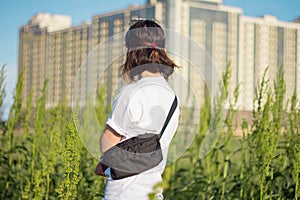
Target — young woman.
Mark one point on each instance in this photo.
(141, 107)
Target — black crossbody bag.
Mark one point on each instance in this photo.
(137, 154)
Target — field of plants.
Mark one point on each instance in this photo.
(42, 157)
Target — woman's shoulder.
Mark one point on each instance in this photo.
(145, 88)
(125, 92)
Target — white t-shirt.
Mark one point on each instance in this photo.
(142, 107)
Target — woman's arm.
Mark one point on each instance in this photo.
(109, 138)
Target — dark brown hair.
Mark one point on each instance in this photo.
(145, 42)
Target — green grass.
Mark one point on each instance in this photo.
(48, 161)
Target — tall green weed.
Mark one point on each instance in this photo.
(49, 161)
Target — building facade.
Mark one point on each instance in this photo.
(66, 50)
(53, 50)
(33, 51)
(268, 43)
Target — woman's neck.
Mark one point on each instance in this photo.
(150, 74)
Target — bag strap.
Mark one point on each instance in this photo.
(172, 110)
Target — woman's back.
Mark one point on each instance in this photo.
(139, 108)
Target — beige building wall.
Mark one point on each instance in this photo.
(289, 61)
(233, 48)
(50, 49)
(198, 34)
(246, 66)
(219, 35)
(67, 50)
(267, 43)
(215, 28)
(78, 46)
(32, 60)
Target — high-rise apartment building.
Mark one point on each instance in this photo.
(213, 27)
(33, 50)
(51, 49)
(66, 50)
(268, 43)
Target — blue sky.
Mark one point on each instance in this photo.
(15, 13)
